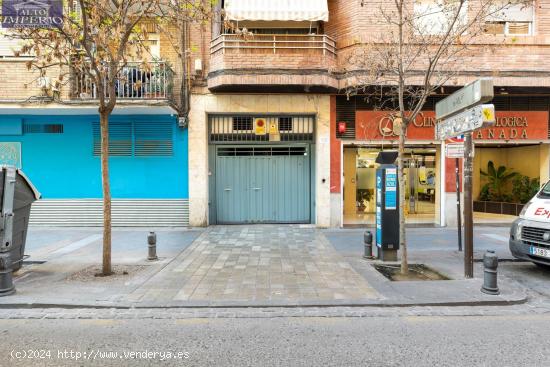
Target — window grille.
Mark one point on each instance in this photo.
(242, 123)
(261, 151)
(285, 123)
(226, 129)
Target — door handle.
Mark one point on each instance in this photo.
(227, 190)
(256, 188)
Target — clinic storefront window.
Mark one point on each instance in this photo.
(518, 140)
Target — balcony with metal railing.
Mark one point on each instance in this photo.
(272, 60)
(152, 80)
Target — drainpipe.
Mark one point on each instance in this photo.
(185, 77)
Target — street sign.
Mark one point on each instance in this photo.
(475, 118)
(473, 94)
(454, 150)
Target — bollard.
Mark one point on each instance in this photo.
(152, 241)
(6, 278)
(490, 265)
(367, 238)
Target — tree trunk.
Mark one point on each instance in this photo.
(400, 170)
(104, 124)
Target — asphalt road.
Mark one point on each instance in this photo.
(520, 340)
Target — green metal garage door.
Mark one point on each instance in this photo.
(263, 184)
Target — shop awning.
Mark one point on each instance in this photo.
(296, 10)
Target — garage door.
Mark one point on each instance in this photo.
(263, 184)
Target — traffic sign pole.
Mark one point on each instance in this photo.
(468, 207)
(458, 211)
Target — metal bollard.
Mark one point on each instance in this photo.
(490, 265)
(152, 241)
(367, 238)
(6, 278)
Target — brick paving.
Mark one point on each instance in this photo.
(257, 263)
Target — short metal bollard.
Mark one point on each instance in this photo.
(152, 241)
(6, 278)
(490, 265)
(367, 238)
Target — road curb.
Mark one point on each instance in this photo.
(213, 305)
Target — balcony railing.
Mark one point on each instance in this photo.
(276, 44)
(135, 81)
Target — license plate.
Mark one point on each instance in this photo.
(537, 251)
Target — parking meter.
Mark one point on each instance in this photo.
(387, 207)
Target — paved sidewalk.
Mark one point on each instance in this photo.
(248, 266)
(262, 264)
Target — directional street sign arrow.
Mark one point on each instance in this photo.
(475, 118)
(475, 93)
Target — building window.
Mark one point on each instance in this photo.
(136, 139)
(285, 123)
(514, 19)
(242, 123)
(508, 28)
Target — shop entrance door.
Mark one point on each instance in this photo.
(360, 180)
(420, 183)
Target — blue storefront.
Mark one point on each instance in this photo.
(60, 154)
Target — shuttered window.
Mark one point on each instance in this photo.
(138, 139)
(153, 139)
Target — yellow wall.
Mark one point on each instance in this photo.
(524, 160)
(544, 162)
(350, 184)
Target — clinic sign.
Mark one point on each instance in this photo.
(509, 125)
(32, 13)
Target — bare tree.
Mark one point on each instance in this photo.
(421, 46)
(95, 42)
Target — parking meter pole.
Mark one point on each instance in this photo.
(468, 207)
(387, 206)
(458, 211)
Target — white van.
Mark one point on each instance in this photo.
(530, 233)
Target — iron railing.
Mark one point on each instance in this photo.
(274, 43)
(135, 81)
